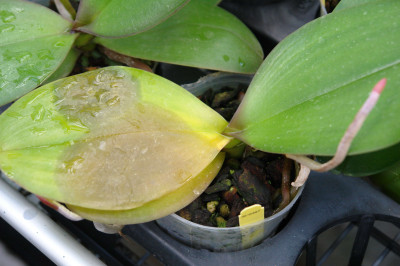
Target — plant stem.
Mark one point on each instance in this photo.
(127, 60)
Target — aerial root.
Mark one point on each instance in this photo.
(308, 164)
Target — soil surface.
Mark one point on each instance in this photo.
(247, 176)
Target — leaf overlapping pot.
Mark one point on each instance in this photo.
(111, 139)
(312, 84)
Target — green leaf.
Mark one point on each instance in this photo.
(368, 163)
(310, 87)
(66, 67)
(160, 207)
(200, 35)
(117, 18)
(110, 139)
(351, 3)
(65, 8)
(389, 182)
(33, 42)
(213, 2)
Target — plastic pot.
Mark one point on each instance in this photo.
(222, 239)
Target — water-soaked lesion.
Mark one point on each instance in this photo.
(88, 98)
(133, 152)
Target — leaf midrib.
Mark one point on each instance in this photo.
(91, 139)
(385, 67)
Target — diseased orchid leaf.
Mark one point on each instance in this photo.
(117, 18)
(160, 207)
(310, 87)
(33, 43)
(109, 139)
(200, 35)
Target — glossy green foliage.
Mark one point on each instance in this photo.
(389, 182)
(351, 3)
(33, 42)
(368, 163)
(312, 84)
(111, 139)
(66, 67)
(116, 18)
(200, 35)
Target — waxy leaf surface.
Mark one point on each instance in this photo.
(66, 67)
(368, 163)
(389, 182)
(110, 139)
(312, 84)
(351, 3)
(200, 35)
(117, 18)
(160, 207)
(33, 43)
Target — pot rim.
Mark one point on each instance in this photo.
(272, 217)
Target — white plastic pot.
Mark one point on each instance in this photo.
(222, 239)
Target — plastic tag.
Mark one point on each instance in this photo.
(251, 214)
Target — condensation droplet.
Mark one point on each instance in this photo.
(144, 150)
(15, 115)
(59, 44)
(241, 62)
(102, 145)
(37, 131)
(45, 54)
(7, 16)
(38, 112)
(208, 35)
(196, 192)
(7, 28)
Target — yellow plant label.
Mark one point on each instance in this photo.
(251, 214)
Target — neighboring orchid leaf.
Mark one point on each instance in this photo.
(33, 43)
(117, 18)
(213, 2)
(160, 207)
(110, 139)
(310, 87)
(351, 3)
(65, 8)
(368, 163)
(200, 35)
(389, 182)
(66, 67)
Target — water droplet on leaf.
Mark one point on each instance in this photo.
(59, 44)
(208, 35)
(102, 145)
(7, 28)
(38, 112)
(226, 58)
(241, 62)
(7, 16)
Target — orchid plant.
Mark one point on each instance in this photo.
(120, 145)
